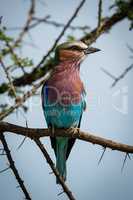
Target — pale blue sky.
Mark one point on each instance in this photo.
(104, 115)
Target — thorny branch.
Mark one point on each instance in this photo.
(78, 134)
(122, 75)
(20, 100)
(13, 167)
(106, 24)
(27, 24)
(55, 171)
(8, 77)
(99, 13)
(16, 57)
(46, 20)
(11, 85)
(59, 25)
(35, 134)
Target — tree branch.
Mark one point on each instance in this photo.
(55, 171)
(20, 100)
(13, 167)
(9, 78)
(122, 75)
(46, 20)
(78, 134)
(99, 13)
(27, 24)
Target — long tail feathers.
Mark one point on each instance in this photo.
(61, 151)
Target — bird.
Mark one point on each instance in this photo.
(63, 98)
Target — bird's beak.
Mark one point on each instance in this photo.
(90, 50)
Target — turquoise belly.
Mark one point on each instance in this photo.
(63, 116)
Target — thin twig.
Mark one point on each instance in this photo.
(13, 167)
(21, 100)
(27, 24)
(55, 171)
(26, 27)
(47, 21)
(18, 62)
(130, 48)
(122, 75)
(108, 73)
(117, 79)
(4, 170)
(57, 24)
(99, 13)
(9, 78)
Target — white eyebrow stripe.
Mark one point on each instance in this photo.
(78, 44)
(66, 45)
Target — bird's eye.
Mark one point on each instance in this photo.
(76, 48)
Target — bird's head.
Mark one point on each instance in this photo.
(75, 51)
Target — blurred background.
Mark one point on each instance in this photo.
(109, 110)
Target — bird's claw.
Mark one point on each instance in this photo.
(74, 131)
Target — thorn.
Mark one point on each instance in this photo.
(24, 137)
(60, 193)
(1, 19)
(3, 151)
(108, 73)
(124, 162)
(129, 156)
(130, 48)
(4, 170)
(104, 149)
(21, 143)
(26, 122)
(3, 154)
(50, 172)
(16, 112)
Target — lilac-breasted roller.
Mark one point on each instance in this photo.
(63, 97)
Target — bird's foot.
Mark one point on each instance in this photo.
(74, 131)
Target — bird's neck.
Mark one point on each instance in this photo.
(68, 65)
